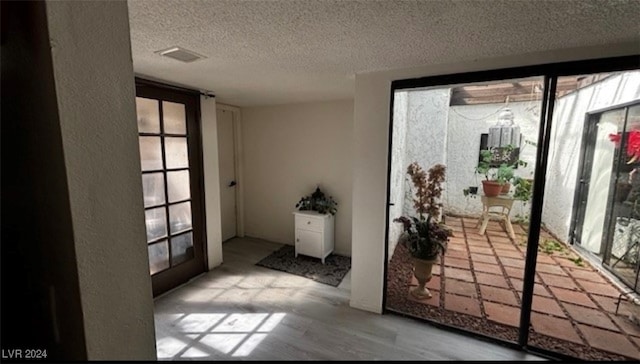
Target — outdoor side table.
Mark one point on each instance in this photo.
(497, 207)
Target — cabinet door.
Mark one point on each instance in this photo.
(309, 242)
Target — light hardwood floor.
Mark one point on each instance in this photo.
(245, 312)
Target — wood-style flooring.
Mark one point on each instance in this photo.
(240, 311)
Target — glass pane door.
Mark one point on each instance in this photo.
(170, 195)
(485, 135)
(579, 308)
(622, 248)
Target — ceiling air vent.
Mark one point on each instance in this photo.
(180, 54)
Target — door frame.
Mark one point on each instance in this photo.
(587, 145)
(183, 272)
(236, 115)
(551, 72)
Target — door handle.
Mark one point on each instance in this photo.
(232, 183)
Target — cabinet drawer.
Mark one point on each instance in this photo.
(309, 223)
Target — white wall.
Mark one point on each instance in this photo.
(398, 169)
(419, 135)
(466, 123)
(211, 180)
(370, 148)
(566, 139)
(288, 151)
(426, 138)
(95, 89)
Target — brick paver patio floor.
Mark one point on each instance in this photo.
(481, 276)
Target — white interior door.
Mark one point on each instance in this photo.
(226, 157)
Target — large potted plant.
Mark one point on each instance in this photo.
(425, 236)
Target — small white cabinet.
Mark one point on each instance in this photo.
(314, 234)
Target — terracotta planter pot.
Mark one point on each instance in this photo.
(505, 188)
(422, 271)
(491, 188)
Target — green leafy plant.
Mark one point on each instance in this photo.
(578, 261)
(319, 202)
(524, 188)
(503, 173)
(425, 236)
(484, 166)
(549, 246)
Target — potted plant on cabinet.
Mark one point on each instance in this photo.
(319, 202)
(425, 236)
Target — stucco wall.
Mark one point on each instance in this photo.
(94, 82)
(426, 139)
(398, 169)
(419, 135)
(288, 151)
(466, 123)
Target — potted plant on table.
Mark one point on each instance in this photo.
(497, 179)
(425, 236)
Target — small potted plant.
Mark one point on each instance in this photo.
(425, 236)
(497, 179)
(319, 202)
(490, 184)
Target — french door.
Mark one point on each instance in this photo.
(170, 158)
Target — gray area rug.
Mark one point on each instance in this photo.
(332, 272)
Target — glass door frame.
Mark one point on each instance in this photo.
(181, 273)
(551, 73)
(592, 118)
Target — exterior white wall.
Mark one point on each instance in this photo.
(426, 138)
(398, 169)
(370, 149)
(566, 139)
(211, 180)
(94, 79)
(419, 135)
(466, 123)
(288, 151)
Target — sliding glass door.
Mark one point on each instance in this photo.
(511, 270)
(476, 284)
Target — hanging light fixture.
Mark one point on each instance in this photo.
(505, 132)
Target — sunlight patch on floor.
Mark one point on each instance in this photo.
(202, 335)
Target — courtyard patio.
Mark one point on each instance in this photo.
(477, 286)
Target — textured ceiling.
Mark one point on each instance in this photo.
(275, 52)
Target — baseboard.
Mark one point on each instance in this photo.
(365, 307)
